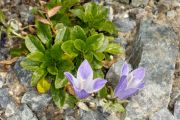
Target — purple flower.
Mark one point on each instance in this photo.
(130, 82)
(84, 84)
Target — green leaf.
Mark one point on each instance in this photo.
(104, 46)
(97, 64)
(29, 65)
(95, 14)
(88, 56)
(78, 33)
(2, 17)
(94, 42)
(36, 56)
(17, 51)
(103, 92)
(114, 48)
(53, 3)
(99, 56)
(52, 69)
(33, 44)
(44, 33)
(71, 100)
(59, 26)
(68, 47)
(91, 10)
(56, 52)
(98, 74)
(80, 45)
(78, 12)
(117, 107)
(107, 26)
(37, 75)
(62, 35)
(58, 96)
(66, 65)
(69, 3)
(61, 17)
(60, 81)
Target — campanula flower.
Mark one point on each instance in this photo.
(84, 84)
(130, 82)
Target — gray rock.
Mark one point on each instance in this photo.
(26, 113)
(35, 101)
(3, 56)
(93, 115)
(123, 1)
(41, 115)
(69, 114)
(113, 75)
(175, 95)
(153, 50)
(137, 3)
(2, 79)
(177, 110)
(163, 114)
(4, 98)
(14, 117)
(11, 109)
(121, 41)
(97, 1)
(24, 12)
(23, 75)
(17, 2)
(171, 14)
(22, 113)
(125, 25)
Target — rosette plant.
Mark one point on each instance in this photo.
(130, 82)
(61, 43)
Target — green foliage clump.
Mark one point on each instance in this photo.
(73, 34)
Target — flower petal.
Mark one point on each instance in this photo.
(125, 69)
(139, 73)
(85, 71)
(81, 93)
(72, 79)
(122, 84)
(127, 93)
(141, 85)
(95, 85)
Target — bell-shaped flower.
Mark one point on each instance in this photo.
(130, 82)
(84, 84)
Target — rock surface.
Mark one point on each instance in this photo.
(35, 101)
(93, 115)
(163, 114)
(125, 25)
(137, 3)
(4, 97)
(23, 113)
(177, 110)
(153, 50)
(23, 75)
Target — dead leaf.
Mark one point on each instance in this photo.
(69, 89)
(43, 20)
(31, 29)
(8, 62)
(108, 64)
(53, 11)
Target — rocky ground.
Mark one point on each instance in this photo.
(150, 32)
